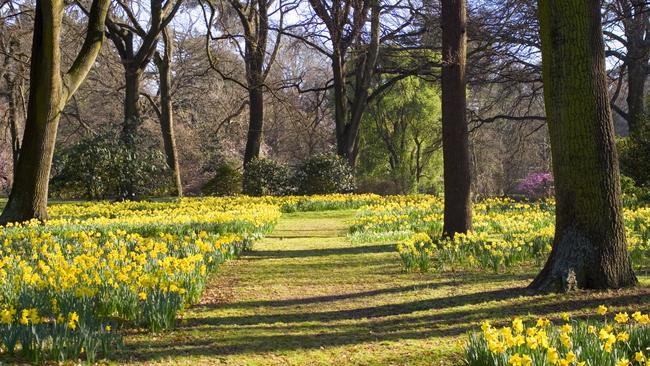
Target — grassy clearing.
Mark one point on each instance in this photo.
(307, 296)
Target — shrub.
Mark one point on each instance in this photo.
(537, 185)
(101, 167)
(632, 193)
(227, 181)
(264, 177)
(633, 155)
(324, 173)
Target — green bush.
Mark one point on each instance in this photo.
(633, 153)
(102, 167)
(324, 173)
(227, 181)
(265, 177)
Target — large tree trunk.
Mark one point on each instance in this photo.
(455, 137)
(167, 113)
(28, 198)
(48, 94)
(589, 248)
(255, 123)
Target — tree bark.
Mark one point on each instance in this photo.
(255, 124)
(344, 145)
(167, 113)
(48, 94)
(132, 112)
(589, 248)
(636, 80)
(455, 136)
(15, 93)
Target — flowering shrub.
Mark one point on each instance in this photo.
(622, 341)
(537, 185)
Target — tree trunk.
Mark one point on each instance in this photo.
(28, 198)
(347, 143)
(48, 94)
(344, 142)
(15, 93)
(455, 137)
(132, 113)
(167, 114)
(637, 73)
(255, 123)
(589, 248)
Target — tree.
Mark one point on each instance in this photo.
(136, 45)
(589, 248)
(14, 59)
(628, 29)
(455, 138)
(400, 136)
(166, 112)
(254, 19)
(345, 21)
(48, 94)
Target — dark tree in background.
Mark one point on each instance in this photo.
(345, 21)
(258, 54)
(455, 137)
(136, 45)
(628, 29)
(589, 248)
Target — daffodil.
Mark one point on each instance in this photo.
(602, 310)
(622, 318)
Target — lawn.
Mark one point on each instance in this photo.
(306, 295)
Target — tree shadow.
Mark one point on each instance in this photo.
(379, 311)
(395, 322)
(303, 253)
(327, 298)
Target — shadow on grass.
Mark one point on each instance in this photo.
(329, 298)
(303, 253)
(287, 332)
(379, 311)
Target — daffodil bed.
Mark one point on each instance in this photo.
(66, 286)
(506, 233)
(621, 341)
(74, 288)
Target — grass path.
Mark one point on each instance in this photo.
(307, 296)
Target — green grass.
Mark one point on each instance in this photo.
(307, 296)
